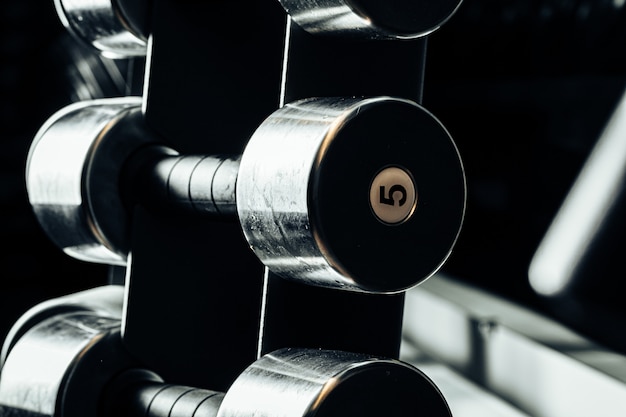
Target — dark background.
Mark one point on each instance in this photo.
(524, 87)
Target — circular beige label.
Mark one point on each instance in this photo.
(393, 196)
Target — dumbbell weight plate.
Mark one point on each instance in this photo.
(99, 23)
(72, 177)
(371, 19)
(61, 354)
(326, 383)
(315, 180)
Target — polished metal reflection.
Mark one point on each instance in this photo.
(302, 382)
(283, 383)
(193, 184)
(98, 23)
(273, 190)
(67, 198)
(40, 362)
(348, 18)
(104, 301)
(281, 195)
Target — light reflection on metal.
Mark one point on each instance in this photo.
(46, 346)
(99, 24)
(371, 20)
(583, 212)
(324, 383)
(300, 191)
(71, 179)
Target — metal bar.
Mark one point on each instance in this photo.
(534, 363)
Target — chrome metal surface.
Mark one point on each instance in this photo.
(307, 382)
(204, 183)
(161, 180)
(60, 355)
(303, 193)
(274, 209)
(39, 365)
(105, 301)
(98, 23)
(399, 19)
(309, 205)
(71, 178)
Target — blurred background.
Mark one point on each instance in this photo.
(526, 89)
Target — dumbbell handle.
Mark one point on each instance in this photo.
(158, 178)
(140, 393)
(326, 190)
(286, 382)
(152, 400)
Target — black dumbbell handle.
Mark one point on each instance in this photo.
(160, 179)
(140, 393)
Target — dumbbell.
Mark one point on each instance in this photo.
(288, 382)
(119, 29)
(65, 358)
(362, 194)
(371, 19)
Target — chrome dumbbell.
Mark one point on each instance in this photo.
(289, 382)
(364, 194)
(65, 358)
(118, 28)
(60, 353)
(371, 19)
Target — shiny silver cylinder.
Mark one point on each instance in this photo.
(371, 19)
(61, 358)
(309, 186)
(105, 301)
(163, 181)
(72, 174)
(99, 24)
(322, 383)
(203, 184)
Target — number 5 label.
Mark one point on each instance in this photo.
(393, 196)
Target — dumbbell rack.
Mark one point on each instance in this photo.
(198, 307)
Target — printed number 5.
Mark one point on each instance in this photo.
(388, 199)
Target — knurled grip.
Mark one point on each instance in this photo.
(371, 19)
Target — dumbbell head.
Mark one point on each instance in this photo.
(72, 177)
(105, 25)
(289, 382)
(371, 19)
(360, 194)
(60, 355)
(320, 383)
